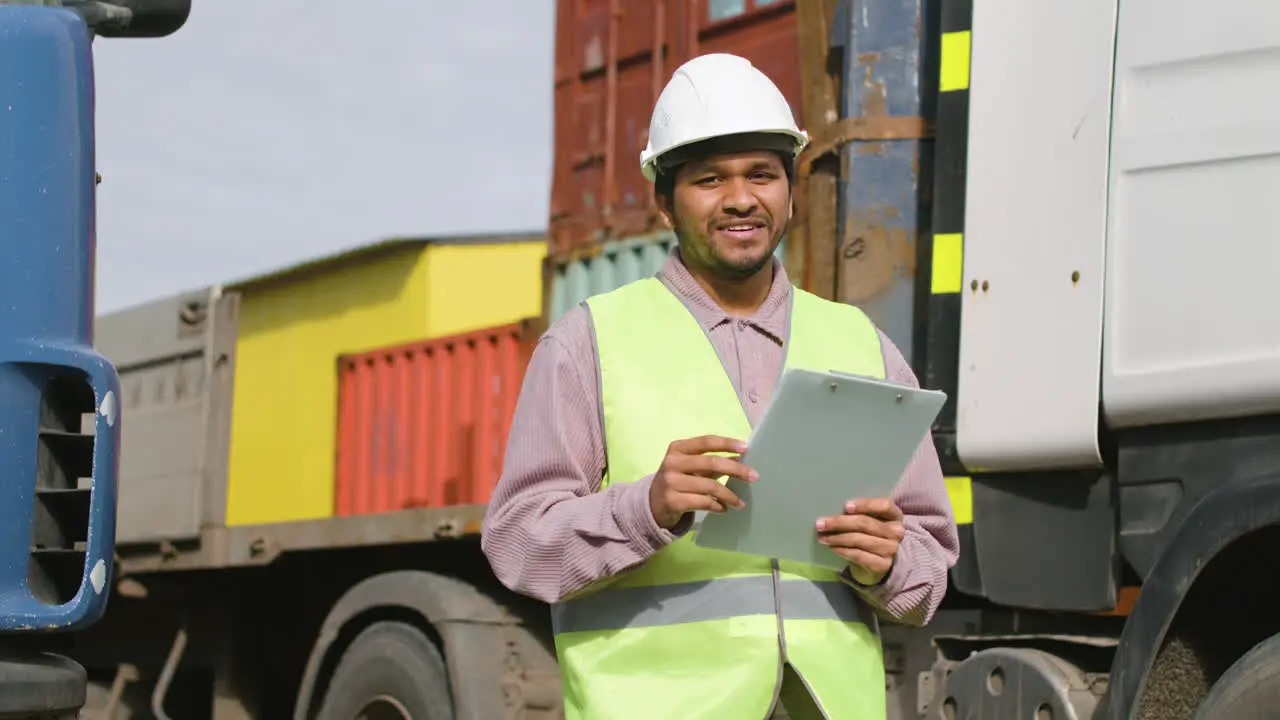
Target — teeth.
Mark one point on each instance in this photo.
(742, 227)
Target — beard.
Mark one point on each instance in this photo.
(696, 242)
(737, 268)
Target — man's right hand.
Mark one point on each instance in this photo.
(686, 481)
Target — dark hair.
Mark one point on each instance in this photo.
(668, 166)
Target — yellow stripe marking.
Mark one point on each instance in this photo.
(954, 73)
(960, 490)
(948, 263)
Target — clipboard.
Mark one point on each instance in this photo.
(825, 438)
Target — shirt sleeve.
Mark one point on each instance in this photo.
(548, 531)
(914, 587)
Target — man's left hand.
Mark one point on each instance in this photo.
(867, 535)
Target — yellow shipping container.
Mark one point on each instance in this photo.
(295, 323)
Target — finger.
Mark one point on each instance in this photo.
(848, 523)
(690, 502)
(861, 524)
(714, 466)
(707, 444)
(882, 508)
(874, 563)
(727, 496)
(715, 506)
(706, 487)
(883, 547)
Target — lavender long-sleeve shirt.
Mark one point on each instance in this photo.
(550, 532)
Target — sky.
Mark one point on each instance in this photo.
(262, 134)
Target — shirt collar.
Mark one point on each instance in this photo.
(770, 317)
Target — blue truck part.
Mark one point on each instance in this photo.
(59, 399)
(60, 413)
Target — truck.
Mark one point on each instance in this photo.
(302, 484)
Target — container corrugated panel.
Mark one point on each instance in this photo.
(602, 267)
(607, 78)
(616, 263)
(425, 424)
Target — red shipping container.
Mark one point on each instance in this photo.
(607, 78)
(425, 424)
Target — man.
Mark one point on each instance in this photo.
(637, 401)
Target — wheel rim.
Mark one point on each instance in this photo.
(383, 707)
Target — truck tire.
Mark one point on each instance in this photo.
(1249, 689)
(391, 671)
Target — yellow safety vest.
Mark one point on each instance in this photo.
(694, 633)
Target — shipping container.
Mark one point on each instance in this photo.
(294, 324)
(607, 78)
(425, 424)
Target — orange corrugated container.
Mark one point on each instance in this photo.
(425, 424)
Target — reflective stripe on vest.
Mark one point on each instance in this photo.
(693, 632)
(652, 605)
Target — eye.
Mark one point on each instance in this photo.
(762, 176)
(707, 180)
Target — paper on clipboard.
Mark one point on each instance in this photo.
(826, 438)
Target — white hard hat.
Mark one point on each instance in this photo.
(712, 96)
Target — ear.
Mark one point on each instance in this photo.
(666, 204)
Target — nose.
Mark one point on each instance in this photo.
(739, 199)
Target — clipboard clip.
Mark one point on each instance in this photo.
(835, 386)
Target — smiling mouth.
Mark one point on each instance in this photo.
(740, 227)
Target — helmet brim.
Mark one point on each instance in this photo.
(784, 140)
